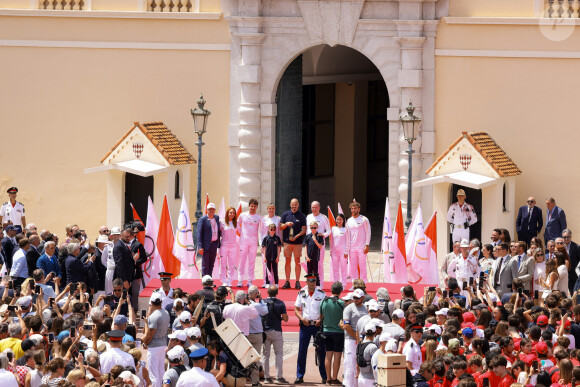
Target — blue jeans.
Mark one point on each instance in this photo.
(306, 333)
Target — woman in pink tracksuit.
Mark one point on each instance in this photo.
(229, 246)
(337, 249)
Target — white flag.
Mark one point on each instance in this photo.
(222, 211)
(414, 240)
(154, 264)
(183, 247)
(386, 243)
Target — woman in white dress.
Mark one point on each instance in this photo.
(228, 246)
(486, 263)
(552, 278)
(271, 218)
(539, 270)
(337, 248)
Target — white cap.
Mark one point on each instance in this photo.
(193, 332)
(373, 305)
(127, 375)
(37, 339)
(398, 313)
(370, 327)
(178, 301)
(175, 353)
(25, 301)
(103, 239)
(156, 296)
(179, 335)
(385, 336)
(206, 278)
(348, 297)
(211, 205)
(358, 293)
(464, 243)
(443, 312)
(435, 328)
(185, 316)
(377, 322)
(392, 346)
(115, 230)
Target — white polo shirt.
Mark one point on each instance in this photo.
(412, 352)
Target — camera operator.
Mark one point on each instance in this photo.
(242, 311)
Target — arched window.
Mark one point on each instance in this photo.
(505, 198)
(177, 186)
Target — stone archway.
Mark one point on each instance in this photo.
(397, 36)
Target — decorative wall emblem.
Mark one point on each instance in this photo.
(137, 149)
(465, 160)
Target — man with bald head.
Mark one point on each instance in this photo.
(324, 230)
(293, 225)
(529, 221)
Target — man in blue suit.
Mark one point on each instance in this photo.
(555, 220)
(208, 239)
(529, 221)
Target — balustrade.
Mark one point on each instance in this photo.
(562, 9)
(62, 4)
(169, 5)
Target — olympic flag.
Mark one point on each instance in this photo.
(415, 246)
(431, 266)
(183, 247)
(154, 265)
(386, 243)
(399, 263)
(165, 241)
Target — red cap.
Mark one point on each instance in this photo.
(468, 317)
(542, 320)
(529, 359)
(567, 324)
(542, 348)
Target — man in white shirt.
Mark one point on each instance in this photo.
(114, 355)
(12, 212)
(412, 350)
(241, 311)
(248, 229)
(197, 377)
(324, 230)
(357, 242)
(447, 259)
(465, 266)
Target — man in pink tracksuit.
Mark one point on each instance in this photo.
(357, 242)
(249, 224)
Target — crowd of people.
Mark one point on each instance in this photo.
(506, 313)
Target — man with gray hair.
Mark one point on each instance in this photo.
(76, 270)
(13, 341)
(48, 262)
(241, 311)
(256, 330)
(387, 306)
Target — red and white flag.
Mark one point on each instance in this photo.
(165, 242)
(432, 267)
(154, 265)
(386, 243)
(206, 203)
(399, 275)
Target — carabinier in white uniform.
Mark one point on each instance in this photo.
(166, 297)
(461, 215)
(13, 213)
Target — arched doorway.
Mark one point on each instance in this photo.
(332, 133)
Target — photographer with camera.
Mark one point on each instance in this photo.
(307, 309)
(256, 336)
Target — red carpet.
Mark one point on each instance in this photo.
(286, 295)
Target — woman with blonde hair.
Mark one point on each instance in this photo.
(566, 368)
(77, 378)
(430, 348)
(140, 369)
(502, 329)
(552, 278)
(228, 246)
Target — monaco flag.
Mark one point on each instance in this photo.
(154, 265)
(165, 242)
(386, 242)
(141, 234)
(415, 246)
(399, 275)
(431, 267)
(183, 247)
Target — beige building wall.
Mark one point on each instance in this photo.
(515, 79)
(73, 84)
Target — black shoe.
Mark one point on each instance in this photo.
(286, 285)
(299, 381)
(323, 381)
(282, 381)
(268, 380)
(297, 285)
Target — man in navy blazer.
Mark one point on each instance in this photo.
(208, 239)
(555, 220)
(529, 221)
(124, 259)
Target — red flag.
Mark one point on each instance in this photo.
(400, 259)
(165, 242)
(331, 219)
(141, 234)
(206, 204)
(431, 247)
(238, 213)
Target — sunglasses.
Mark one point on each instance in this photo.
(185, 321)
(117, 290)
(567, 237)
(356, 298)
(313, 228)
(531, 201)
(311, 280)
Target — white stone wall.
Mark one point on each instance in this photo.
(397, 36)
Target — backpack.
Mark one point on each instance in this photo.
(360, 351)
(217, 309)
(179, 369)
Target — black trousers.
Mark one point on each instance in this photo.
(312, 267)
(272, 266)
(208, 259)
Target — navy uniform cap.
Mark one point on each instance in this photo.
(12, 190)
(416, 327)
(164, 274)
(311, 275)
(116, 335)
(199, 354)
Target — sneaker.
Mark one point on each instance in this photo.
(268, 380)
(298, 285)
(282, 381)
(286, 285)
(265, 285)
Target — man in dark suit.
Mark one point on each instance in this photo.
(140, 257)
(32, 254)
(529, 221)
(9, 245)
(208, 239)
(124, 261)
(76, 270)
(573, 251)
(555, 220)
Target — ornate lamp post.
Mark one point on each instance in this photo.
(410, 124)
(200, 116)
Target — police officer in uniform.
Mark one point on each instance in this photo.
(412, 349)
(197, 376)
(307, 309)
(461, 215)
(12, 212)
(165, 290)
